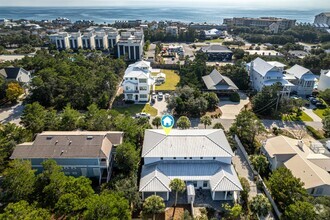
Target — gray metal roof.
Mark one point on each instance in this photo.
(261, 66)
(298, 71)
(156, 177)
(216, 81)
(186, 143)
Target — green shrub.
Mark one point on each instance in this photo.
(315, 133)
(234, 97)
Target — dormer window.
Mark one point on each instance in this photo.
(174, 158)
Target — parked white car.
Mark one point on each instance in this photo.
(142, 115)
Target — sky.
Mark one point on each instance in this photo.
(248, 4)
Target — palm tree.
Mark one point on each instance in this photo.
(153, 205)
(206, 120)
(177, 185)
(156, 121)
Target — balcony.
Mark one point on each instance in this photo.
(131, 91)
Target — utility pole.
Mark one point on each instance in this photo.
(278, 100)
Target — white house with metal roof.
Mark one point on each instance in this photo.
(264, 73)
(201, 158)
(137, 81)
(302, 78)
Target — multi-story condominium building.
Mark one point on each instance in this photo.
(311, 164)
(302, 78)
(61, 40)
(201, 158)
(262, 22)
(113, 38)
(88, 40)
(75, 40)
(137, 81)
(101, 40)
(130, 45)
(322, 20)
(264, 73)
(128, 24)
(79, 153)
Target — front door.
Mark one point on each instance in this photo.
(136, 97)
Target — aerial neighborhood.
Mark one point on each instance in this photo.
(84, 130)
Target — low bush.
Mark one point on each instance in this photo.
(315, 133)
(234, 97)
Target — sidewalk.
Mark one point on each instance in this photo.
(311, 114)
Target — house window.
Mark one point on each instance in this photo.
(127, 88)
(195, 183)
(185, 158)
(319, 191)
(142, 80)
(190, 158)
(204, 184)
(143, 96)
(143, 88)
(313, 191)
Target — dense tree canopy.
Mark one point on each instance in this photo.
(285, 188)
(74, 79)
(247, 126)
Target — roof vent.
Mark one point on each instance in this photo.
(70, 142)
(49, 137)
(62, 152)
(56, 141)
(89, 137)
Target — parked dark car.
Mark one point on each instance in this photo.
(320, 105)
(309, 96)
(314, 101)
(153, 101)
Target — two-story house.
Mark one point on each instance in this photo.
(264, 73)
(201, 158)
(79, 153)
(302, 78)
(137, 81)
(309, 163)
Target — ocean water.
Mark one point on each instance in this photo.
(184, 14)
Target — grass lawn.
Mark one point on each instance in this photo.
(293, 117)
(320, 112)
(172, 79)
(137, 108)
(215, 40)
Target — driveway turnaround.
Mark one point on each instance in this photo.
(231, 109)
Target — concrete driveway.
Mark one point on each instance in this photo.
(12, 114)
(161, 106)
(231, 109)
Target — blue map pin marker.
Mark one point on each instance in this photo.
(167, 122)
